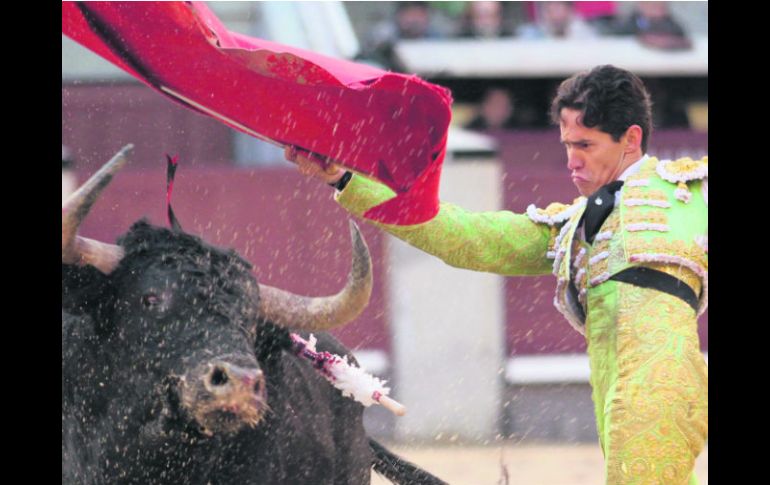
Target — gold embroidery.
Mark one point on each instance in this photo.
(647, 169)
(645, 194)
(553, 209)
(569, 237)
(658, 417)
(637, 176)
(659, 245)
(560, 302)
(579, 276)
(600, 246)
(612, 223)
(599, 267)
(680, 272)
(580, 284)
(684, 165)
(555, 212)
(552, 239)
(651, 217)
(576, 247)
(685, 169)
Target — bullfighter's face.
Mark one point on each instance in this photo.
(593, 157)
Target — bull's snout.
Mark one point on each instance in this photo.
(224, 379)
(223, 396)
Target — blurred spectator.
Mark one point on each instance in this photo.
(68, 178)
(496, 111)
(602, 16)
(412, 20)
(556, 20)
(653, 24)
(484, 20)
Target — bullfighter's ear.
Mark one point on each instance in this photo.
(83, 289)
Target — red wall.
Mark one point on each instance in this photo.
(99, 119)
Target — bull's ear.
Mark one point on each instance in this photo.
(83, 289)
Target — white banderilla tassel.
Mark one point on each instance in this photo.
(353, 381)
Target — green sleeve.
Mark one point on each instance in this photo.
(497, 242)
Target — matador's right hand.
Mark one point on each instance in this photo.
(314, 166)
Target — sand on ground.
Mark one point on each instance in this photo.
(581, 464)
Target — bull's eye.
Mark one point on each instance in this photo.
(151, 300)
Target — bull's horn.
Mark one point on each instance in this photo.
(79, 250)
(323, 313)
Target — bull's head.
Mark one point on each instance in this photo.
(172, 309)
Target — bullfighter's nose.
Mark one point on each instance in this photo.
(224, 378)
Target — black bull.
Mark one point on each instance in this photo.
(177, 370)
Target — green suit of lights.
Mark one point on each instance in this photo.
(649, 379)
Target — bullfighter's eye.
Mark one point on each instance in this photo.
(151, 300)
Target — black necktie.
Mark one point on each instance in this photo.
(598, 208)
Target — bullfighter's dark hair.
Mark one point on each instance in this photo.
(611, 99)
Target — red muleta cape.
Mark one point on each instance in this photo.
(388, 126)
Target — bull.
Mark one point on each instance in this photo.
(176, 366)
